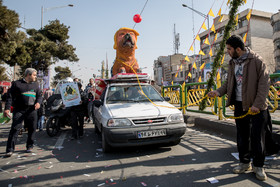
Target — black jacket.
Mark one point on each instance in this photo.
(23, 94)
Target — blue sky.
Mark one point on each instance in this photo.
(93, 24)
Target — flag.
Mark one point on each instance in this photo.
(228, 2)
(194, 66)
(245, 37)
(245, 1)
(221, 18)
(187, 58)
(190, 75)
(172, 83)
(181, 67)
(210, 52)
(223, 60)
(249, 15)
(204, 26)
(197, 38)
(220, 11)
(202, 66)
(236, 19)
(199, 79)
(216, 35)
(191, 49)
(176, 74)
(211, 13)
(213, 28)
(201, 52)
(207, 41)
(218, 76)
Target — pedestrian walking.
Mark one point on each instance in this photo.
(247, 86)
(90, 98)
(25, 96)
(77, 116)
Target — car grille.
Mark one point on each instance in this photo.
(148, 121)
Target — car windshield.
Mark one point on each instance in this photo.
(132, 93)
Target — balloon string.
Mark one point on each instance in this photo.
(141, 11)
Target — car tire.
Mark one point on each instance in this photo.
(52, 126)
(105, 146)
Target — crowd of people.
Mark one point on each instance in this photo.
(29, 104)
(247, 87)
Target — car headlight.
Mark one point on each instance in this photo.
(173, 118)
(118, 122)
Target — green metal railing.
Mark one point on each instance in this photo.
(183, 95)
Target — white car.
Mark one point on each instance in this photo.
(127, 117)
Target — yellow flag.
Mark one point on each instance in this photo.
(199, 79)
(201, 52)
(221, 18)
(213, 28)
(211, 13)
(249, 15)
(228, 2)
(190, 75)
(181, 67)
(245, 1)
(191, 49)
(220, 11)
(218, 76)
(216, 35)
(202, 66)
(194, 66)
(204, 26)
(197, 38)
(187, 58)
(223, 60)
(210, 52)
(207, 41)
(236, 19)
(172, 83)
(245, 37)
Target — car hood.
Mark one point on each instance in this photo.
(120, 110)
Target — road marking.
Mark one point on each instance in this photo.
(59, 142)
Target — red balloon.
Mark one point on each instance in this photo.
(137, 18)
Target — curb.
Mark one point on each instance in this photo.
(227, 128)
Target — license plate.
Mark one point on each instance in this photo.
(153, 133)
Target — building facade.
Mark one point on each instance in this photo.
(166, 67)
(275, 22)
(259, 37)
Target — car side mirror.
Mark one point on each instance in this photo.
(97, 103)
(167, 98)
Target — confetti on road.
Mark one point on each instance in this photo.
(87, 175)
(143, 184)
(49, 167)
(138, 158)
(212, 180)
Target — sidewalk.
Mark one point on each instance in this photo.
(225, 127)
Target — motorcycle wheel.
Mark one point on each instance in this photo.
(52, 126)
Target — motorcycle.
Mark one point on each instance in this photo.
(58, 115)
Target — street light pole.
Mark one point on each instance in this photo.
(52, 8)
(200, 13)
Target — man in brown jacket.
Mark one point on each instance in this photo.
(247, 86)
